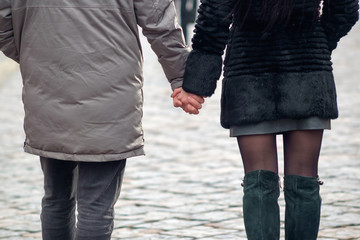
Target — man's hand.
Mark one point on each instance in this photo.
(189, 102)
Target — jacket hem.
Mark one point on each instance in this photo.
(108, 157)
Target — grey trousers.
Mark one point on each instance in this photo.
(91, 187)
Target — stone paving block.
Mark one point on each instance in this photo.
(215, 216)
(126, 223)
(126, 233)
(344, 219)
(159, 237)
(339, 197)
(23, 225)
(26, 238)
(169, 225)
(232, 236)
(32, 236)
(200, 232)
(133, 210)
(234, 224)
(153, 196)
(341, 233)
(197, 207)
(8, 234)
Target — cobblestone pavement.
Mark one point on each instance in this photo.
(188, 185)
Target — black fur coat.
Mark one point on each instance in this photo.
(282, 73)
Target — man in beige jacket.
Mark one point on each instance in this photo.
(81, 64)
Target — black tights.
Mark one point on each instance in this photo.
(301, 152)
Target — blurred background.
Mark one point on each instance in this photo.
(188, 184)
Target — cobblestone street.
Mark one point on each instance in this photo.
(188, 185)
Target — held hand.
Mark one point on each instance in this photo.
(177, 103)
(189, 102)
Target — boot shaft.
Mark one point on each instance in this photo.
(303, 204)
(260, 205)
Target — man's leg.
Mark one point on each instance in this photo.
(58, 203)
(99, 186)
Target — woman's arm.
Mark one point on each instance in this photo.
(338, 17)
(7, 42)
(204, 64)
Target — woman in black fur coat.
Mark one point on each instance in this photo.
(277, 80)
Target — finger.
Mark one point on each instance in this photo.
(175, 92)
(194, 103)
(185, 108)
(177, 103)
(183, 98)
(191, 109)
(197, 98)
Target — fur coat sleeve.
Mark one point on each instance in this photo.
(338, 17)
(204, 64)
(7, 42)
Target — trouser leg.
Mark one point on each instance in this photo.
(58, 203)
(99, 186)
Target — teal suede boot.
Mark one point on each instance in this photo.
(303, 203)
(260, 205)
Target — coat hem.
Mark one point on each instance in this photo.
(108, 157)
(248, 99)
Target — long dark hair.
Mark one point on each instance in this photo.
(273, 12)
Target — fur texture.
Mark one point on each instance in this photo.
(206, 69)
(282, 73)
(337, 18)
(271, 96)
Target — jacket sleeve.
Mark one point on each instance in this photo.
(338, 17)
(204, 63)
(159, 24)
(7, 42)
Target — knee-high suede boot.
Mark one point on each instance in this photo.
(303, 203)
(260, 205)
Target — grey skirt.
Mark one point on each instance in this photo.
(280, 126)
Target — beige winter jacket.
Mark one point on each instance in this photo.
(81, 63)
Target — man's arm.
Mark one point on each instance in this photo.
(159, 24)
(7, 42)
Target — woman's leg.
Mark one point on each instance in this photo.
(58, 203)
(258, 152)
(301, 152)
(99, 186)
(261, 187)
(301, 186)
